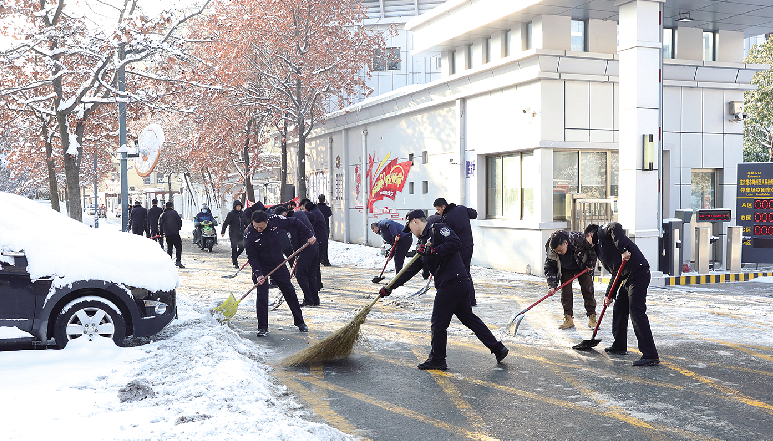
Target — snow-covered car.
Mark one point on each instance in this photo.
(61, 280)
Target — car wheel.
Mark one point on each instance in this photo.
(89, 317)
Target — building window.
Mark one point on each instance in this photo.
(389, 59)
(410, 157)
(159, 178)
(424, 157)
(410, 188)
(487, 50)
(593, 174)
(468, 64)
(425, 187)
(508, 44)
(668, 43)
(146, 180)
(510, 183)
(702, 186)
(438, 62)
(709, 46)
(339, 189)
(452, 63)
(579, 40)
(529, 36)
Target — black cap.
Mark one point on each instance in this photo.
(415, 214)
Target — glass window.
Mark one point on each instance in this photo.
(668, 43)
(529, 36)
(593, 174)
(508, 44)
(511, 187)
(708, 46)
(160, 179)
(614, 173)
(494, 186)
(530, 179)
(387, 60)
(510, 184)
(566, 178)
(487, 49)
(578, 36)
(702, 189)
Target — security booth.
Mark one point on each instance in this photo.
(671, 249)
(708, 247)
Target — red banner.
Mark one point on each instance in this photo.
(389, 181)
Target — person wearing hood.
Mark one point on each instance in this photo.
(236, 222)
(457, 217)
(567, 254)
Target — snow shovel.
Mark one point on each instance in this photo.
(380, 277)
(515, 321)
(281, 297)
(587, 345)
(422, 290)
(231, 276)
(228, 308)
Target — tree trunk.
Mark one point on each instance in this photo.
(72, 181)
(248, 188)
(53, 188)
(283, 171)
(301, 184)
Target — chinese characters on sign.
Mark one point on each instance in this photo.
(754, 207)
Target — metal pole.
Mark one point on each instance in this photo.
(123, 146)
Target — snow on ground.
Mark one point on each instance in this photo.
(202, 382)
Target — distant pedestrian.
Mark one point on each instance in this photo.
(328, 213)
(170, 225)
(264, 254)
(457, 217)
(567, 254)
(138, 220)
(153, 215)
(390, 231)
(439, 247)
(613, 247)
(236, 222)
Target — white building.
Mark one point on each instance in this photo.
(540, 100)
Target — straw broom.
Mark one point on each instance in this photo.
(340, 343)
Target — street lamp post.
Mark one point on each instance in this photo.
(123, 148)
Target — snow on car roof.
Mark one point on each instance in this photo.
(57, 245)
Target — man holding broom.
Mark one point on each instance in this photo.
(264, 252)
(439, 247)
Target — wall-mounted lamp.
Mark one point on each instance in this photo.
(648, 153)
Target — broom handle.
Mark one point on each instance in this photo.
(554, 291)
(389, 257)
(612, 289)
(273, 270)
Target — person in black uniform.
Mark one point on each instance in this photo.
(153, 214)
(305, 272)
(236, 221)
(328, 213)
(390, 231)
(170, 224)
(458, 218)
(612, 247)
(287, 246)
(566, 255)
(439, 247)
(264, 252)
(320, 231)
(138, 220)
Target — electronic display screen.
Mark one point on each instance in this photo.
(714, 215)
(754, 210)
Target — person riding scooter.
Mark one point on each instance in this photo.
(204, 215)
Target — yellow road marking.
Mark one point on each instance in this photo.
(455, 396)
(320, 404)
(392, 407)
(743, 349)
(731, 393)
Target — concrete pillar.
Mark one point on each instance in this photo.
(640, 90)
(446, 63)
(498, 46)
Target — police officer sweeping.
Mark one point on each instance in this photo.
(439, 247)
(567, 254)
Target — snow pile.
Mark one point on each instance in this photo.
(57, 245)
(202, 382)
(355, 255)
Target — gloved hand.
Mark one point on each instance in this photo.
(425, 250)
(385, 291)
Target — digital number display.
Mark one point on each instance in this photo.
(763, 230)
(763, 217)
(763, 204)
(713, 215)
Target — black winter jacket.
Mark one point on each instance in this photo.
(264, 249)
(445, 264)
(303, 217)
(579, 250)
(458, 218)
(319, 224)
(612, 243)
(170, 223)
(237, 222)
(139, 220)
(153, 214)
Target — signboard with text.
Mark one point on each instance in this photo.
(754, 202)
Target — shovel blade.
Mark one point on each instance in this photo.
(512, 327)
(587, 345)
(377, 279)
(227, 309)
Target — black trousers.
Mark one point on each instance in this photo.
(586, 288)
(318, 266)
(451, 299)
(282, 279)
(177, 242)
(323, 257)
(237, 246)
(466, 255)
(306, 275)
(402, 247)
(632, 301)
(158, 239)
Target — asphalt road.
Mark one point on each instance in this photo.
(705, 388)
